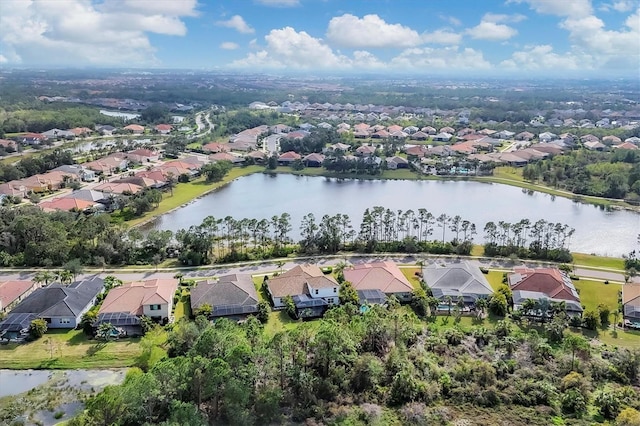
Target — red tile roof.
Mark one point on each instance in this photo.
(383, 276)
(10, 291)
(549, 281)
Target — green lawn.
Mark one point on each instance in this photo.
(593, 293)
(598, 261)
(69, 349)
(183, 307)
(185, 192)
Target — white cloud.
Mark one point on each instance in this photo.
(502, 18)
(442, 37)
(279, 3)
(542, 58)
(287, 48)
(620, 6)
(450, 19)
(491, 31)
(575, 8)
(238, 23)
(614, 48)
(3, 59)
(75, 32)
(427, 59)
(229, 45)
(369, 31)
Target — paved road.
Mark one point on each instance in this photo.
(271, 266)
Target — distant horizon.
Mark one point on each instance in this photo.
(502, 38)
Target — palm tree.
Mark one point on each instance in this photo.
(528, 306)
(481, 306)
(45, 277)
(65, 277)
(449, 301)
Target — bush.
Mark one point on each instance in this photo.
(58, 415)
(37, 328)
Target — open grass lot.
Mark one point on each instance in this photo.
(185, 192)
(593, 293)
(69, 349)
(593, 261)
(183, 307)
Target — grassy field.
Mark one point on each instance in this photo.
(495, 279)
(183, 307)
(593, 293)
(69, 349)
(410, 274)
(593, 261)
(185, 192)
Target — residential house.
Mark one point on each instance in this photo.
(626, 145)
(595, 146)
(419, 136)
(118, 188)
(524, 136)
(136, 129)
(60, 306)
(13, 188)
(631, 305)
(87, 195)
(106, 130)
(313, 160)
(397, 162)
(288, 157)
(547, 137)
(549, 284)
(32, 138)
(455, 281)
(448, 129)
(416, 151)
(81, 131)
(226, 156)
(214, 147)
(8, 144)
(443, 137)
(311, 289)
(383, 276)
(258, 156)
(58, 133)
(229, 296)
(125, 304)
(366, 150)
(634, 140)
(143, 155)
(429, 130)
(79, 172)
(611, 140)
(164, 129)
(13, 292)
(66, 204)
(109, 164)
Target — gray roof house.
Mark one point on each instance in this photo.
(231, 295)
(60, 306)
(457, 280)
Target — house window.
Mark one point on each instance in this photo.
(335, 289)
(330, 300)
(65, 321)
(154, 307)
(316, 291)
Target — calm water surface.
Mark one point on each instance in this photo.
(260, 196)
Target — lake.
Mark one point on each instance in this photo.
(126, 115)
(608, 233)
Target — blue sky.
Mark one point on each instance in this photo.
(484, 37)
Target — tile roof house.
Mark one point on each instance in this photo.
(226, 156)
(164, 129)
(13, 292)
(124, 305)
(60, 306)
(288, 157)
(524, 136)
(457, 280)
(313, 160)
(443, 137)
(543, 283)
(118, 188)
(13, 188)
(383, 276)
(136, 129)
(143, 155)
(66, 204)
(214, 147)
(626, 145)
(631, 304)
(6, 143)
(366, 150)
(230, 295)
(309, 283)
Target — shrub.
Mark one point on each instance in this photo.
(37, 328)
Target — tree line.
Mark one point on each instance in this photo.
(30, 237)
